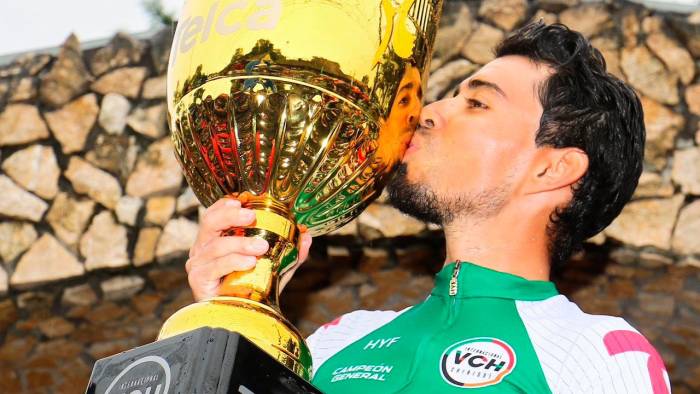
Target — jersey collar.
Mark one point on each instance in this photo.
(477, 281)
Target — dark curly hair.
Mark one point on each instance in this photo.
(585, 107)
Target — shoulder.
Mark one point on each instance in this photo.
(580, 352)
(333, 337)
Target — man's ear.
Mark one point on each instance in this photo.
(556, 168)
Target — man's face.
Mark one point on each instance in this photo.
(471, 152)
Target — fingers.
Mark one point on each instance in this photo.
(214, 270)
(220, 246)
(220, 216)
(205, 277)
(212, 256)
(219, 257)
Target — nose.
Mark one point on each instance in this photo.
(412, 121)
(429, 117)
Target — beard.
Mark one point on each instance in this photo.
(425, 204)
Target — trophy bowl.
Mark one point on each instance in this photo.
(301, 109)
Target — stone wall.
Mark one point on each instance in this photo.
(96, 220)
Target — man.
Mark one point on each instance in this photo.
(537, 151)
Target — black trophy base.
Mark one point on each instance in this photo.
(201, 361)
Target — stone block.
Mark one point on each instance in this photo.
(47, 260)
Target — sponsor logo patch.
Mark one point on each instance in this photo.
(477, 362)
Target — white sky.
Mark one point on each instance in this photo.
(33, 24)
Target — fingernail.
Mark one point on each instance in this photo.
(230, 202)
(247, 213)
(258, 244)
(249, 261)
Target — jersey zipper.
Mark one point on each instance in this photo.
(454, 289)
(451, 316)
(454, 285)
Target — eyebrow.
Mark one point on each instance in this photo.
(410, 86)
(479, 83)
(406, 86)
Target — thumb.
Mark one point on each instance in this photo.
(304, 246)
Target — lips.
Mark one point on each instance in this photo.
(414, 143)
(412, 146)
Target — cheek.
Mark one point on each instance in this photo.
(476, 162)
(468, 158)
(443, 164)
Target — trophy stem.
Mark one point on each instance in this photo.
(248, 300)
(274, 223)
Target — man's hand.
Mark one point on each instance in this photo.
(212, 256)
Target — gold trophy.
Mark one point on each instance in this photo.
(301, 109)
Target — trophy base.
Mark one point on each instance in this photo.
(204, 361)
(261, 324)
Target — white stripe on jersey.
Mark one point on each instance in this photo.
(335, 336)
(571, 347)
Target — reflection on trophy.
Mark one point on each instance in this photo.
(301, 109)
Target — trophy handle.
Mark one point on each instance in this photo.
(274, 224)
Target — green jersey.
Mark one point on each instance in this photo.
(485, 331)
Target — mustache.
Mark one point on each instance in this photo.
(420, 129)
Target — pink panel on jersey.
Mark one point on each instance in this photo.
(621, 341)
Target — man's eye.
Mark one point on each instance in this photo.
(472, 103)
(404, 101)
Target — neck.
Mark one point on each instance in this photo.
(508, 242)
